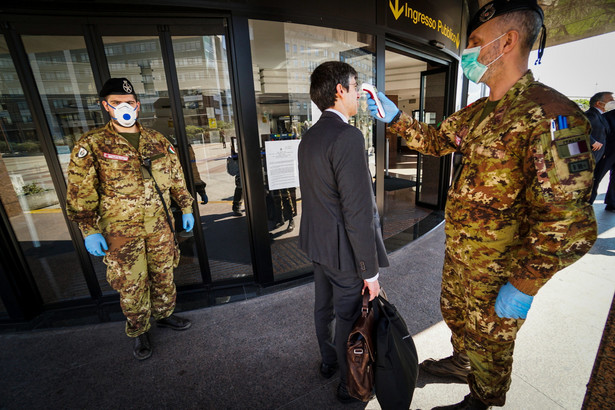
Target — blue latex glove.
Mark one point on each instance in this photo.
(512, 303)
(95, 243)
(187, 222)
(389, 107)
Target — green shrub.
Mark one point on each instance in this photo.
(28, 146)
(32, 188)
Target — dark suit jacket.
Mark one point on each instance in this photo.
(340, 227)
(599, 130)
(609, 117)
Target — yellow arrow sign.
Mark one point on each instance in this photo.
(396, 10)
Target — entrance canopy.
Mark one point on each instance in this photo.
(572, 20)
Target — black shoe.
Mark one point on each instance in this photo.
(343, 396)
(291, 225)
(237, 212)
(142, 348)
(328, 370)
(277, 225)
(174, 322)
(455, 367)
(469, 403)
(609, 208)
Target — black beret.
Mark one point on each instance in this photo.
(482, 11)
(117, 86)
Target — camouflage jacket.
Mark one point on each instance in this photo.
(521, 188)
(108, 189)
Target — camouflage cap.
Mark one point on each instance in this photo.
(482, 11)
(117, 86)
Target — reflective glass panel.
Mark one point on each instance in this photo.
(403, 87)
(203, 75)
(27, 191)
(139, 58)
(65, 82)
(284, 55)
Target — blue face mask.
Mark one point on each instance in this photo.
(470, 65)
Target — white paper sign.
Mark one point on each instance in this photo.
(282, 163)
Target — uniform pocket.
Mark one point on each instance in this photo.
(161, 171)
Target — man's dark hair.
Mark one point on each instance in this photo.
(527, 22)
(324, 80)
(598, 97)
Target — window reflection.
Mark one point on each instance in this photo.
(139, 58)
(284, 55)
(26, 188)
(203, 75)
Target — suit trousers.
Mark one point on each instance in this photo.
(604, 166)
(337, 306)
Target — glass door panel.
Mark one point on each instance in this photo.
(432, 108)
(28, 194)
(207, 105)
(139, 58)
(284, 55)
(401, 179)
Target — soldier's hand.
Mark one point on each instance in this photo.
(512, 303)
(96, 244)
(389, 107)
(187, 222)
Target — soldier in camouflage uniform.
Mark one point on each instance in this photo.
(116, 177)
(518, 210)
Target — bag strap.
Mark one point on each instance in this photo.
(147, 164)
(365, 307)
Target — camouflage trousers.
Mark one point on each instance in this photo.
(141, 270)
(472, 276)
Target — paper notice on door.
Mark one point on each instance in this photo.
(282, 163)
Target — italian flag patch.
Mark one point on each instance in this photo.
(171, 150)
(571, 147)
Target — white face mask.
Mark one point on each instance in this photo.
(609, 106)
(125, 115)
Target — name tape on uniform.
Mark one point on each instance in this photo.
(115, 156)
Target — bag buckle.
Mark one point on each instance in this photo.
(358, 351)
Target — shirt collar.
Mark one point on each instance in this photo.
(342, 116)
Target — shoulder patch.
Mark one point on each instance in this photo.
(171, 150)
(82, 152)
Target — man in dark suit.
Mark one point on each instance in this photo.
(599, 126)
(607, 162)
(340, 227)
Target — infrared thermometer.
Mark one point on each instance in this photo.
(373, 93)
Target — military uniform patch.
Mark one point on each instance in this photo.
(115, 156)
(572, 146)
(171, 150)
(82, 152)
(579, 166)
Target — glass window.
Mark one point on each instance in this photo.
(210, 126)
(27, 192)
(139, 58)
(285, 112)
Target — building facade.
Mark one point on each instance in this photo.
(217, 78)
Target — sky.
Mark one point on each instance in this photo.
(578, 69)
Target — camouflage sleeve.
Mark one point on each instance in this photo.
(561, 222)
(425, 138)
(178, 190)
(82, 198)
